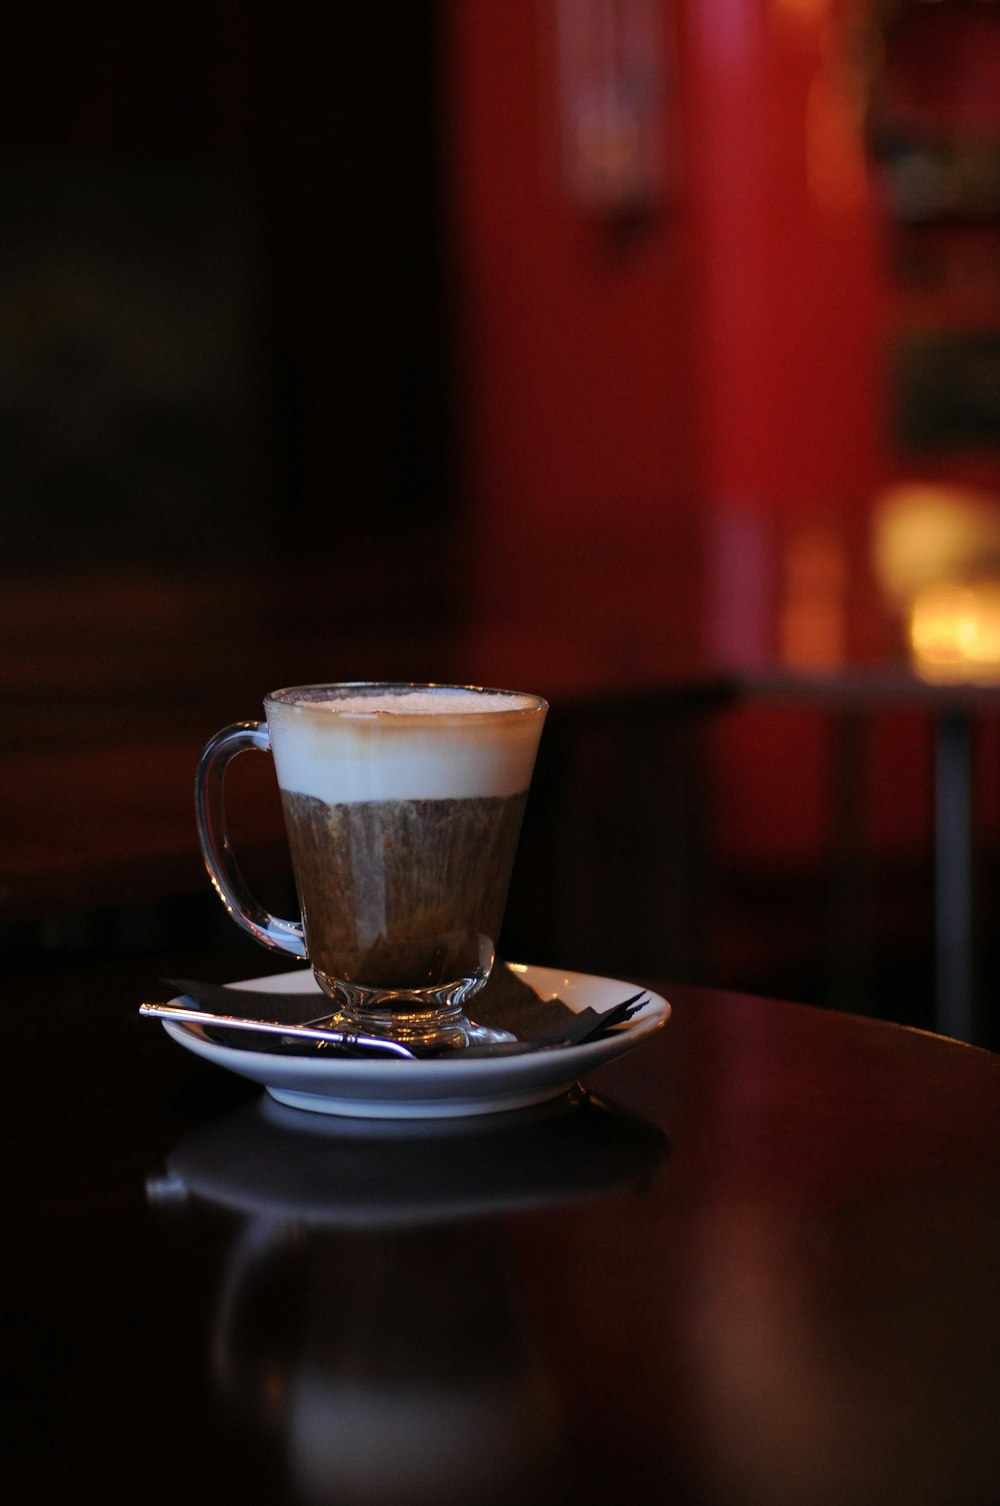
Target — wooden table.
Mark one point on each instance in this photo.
(759, 1265)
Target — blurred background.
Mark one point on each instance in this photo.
(642, 353)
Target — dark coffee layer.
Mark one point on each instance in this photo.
(398, 894)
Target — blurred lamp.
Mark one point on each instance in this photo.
(955, 631)
(937, 558)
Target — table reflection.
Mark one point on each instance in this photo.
(368, 1317)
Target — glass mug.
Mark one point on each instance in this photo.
(403, 807)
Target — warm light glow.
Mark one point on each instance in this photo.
(955, 631)
(928, 533)
(813, 626)
(808, 12)
(937, 557)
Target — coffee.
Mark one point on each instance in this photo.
(402, 894)
(403, 808)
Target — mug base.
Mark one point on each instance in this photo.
(427, 1037)
(426, 1019)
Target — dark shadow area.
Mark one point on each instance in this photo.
(222, 298)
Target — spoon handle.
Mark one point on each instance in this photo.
(345, 1038)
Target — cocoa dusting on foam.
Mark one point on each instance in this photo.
(419, 703)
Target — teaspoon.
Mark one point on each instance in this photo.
(291, 1035)
(347, 1040)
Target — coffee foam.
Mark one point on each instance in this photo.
(443, 702)
(419, 745)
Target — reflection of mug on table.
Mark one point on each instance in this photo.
(403, 806)
(369, 1320)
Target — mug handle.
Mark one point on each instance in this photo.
(280, 935)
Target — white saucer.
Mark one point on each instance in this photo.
(442, 1088)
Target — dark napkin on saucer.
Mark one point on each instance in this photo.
(505, 1002)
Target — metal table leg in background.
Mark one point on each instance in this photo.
(850, 972)
(954, 1012)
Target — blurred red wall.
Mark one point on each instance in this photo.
(577, 339)
(662, 396)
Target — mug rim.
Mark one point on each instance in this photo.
(285, 697)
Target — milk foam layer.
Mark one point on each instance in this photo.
(420, 745)
(443, 702)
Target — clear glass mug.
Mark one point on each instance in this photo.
(403, 807)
